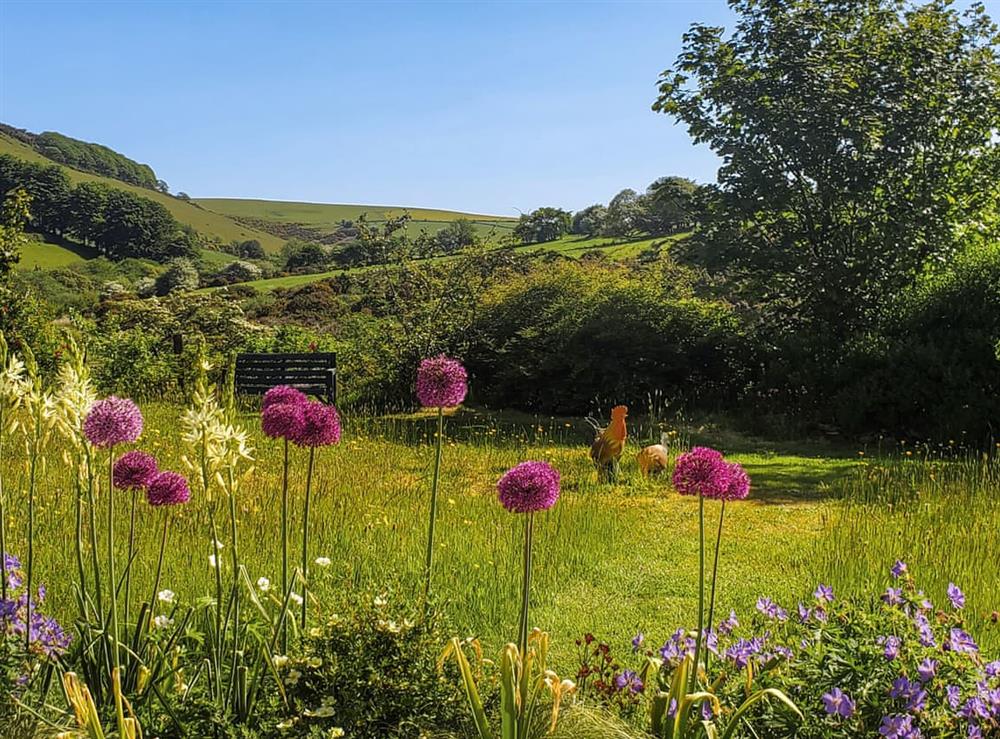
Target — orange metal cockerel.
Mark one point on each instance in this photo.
(607, 448)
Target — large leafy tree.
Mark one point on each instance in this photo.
(859, 144)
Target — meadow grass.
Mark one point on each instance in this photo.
(609, 559)
(41, 254)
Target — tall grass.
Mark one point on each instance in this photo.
(938, 513)
(609, 559)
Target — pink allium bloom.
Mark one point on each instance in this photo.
(320, 425)
(134, 470)
(283, 420)
(113, 421)
(283, 395)
(168, 488)
(529, 487)
(441, 382)
(738, 486)
(702, 471)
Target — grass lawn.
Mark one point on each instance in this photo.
(40, 254)
(609, 559)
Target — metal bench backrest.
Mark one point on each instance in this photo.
(314, 373)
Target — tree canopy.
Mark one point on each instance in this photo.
(858, 143)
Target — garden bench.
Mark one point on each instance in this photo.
(314, 373)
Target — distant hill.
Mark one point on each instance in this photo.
(207, 223)
(87, 157)
(320, 220)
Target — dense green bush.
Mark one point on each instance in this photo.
(567, 337)
(932, 368)
(373, 674)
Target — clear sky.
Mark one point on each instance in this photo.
(481, 107)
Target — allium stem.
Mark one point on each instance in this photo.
(715, 574)
(92, 504)
(159, 568)
(522, 629)
(305, 536)
(701, 591)
(81, 570)
(429, 561)
(128, 562)
(111, 556)
(284, 548)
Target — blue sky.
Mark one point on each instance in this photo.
(480, 107)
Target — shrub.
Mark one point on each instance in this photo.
(181, 276)
(372, 673)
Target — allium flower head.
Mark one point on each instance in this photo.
(738, 485)
(283, 395)
(320, 425)
(283, 420)
(701, 471)
(529, 487)
(113, 421)
(168, 488)
(441, 382)
(134, 470)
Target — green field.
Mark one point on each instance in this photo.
(633, 544)
(326, 217)
(204, 221)
(41, 254)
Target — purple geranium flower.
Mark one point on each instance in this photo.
(927, 669)
(771, 609)
(824, 594)
(899, 569)
(893, 596)
(628, 680)
(838, 703)
(961, 642)
(899, 727)
(729, 624)
(890, 646)
(637, 641)
(529, 487)
(956, 596)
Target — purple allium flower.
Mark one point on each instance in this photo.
(282, 420)
(824, 594)
(838, 703)
(637, 641)
(283, 395)
(961, 642)
(134, 470)
(956, 596)
(628, 680)
(529, 487)
(113, 421)
(168, 488)
(771, 609)
(441, 382)
(899, 569)
(893, 596)
(890, 646)
(729, 624)
(954, 695)
(738, 486)
(320, 425)
(927, 669)
(702, 471)
(899, 727)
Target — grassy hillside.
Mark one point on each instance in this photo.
(41, 254)
(570, 246)
(203, 221)
(326, 217)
